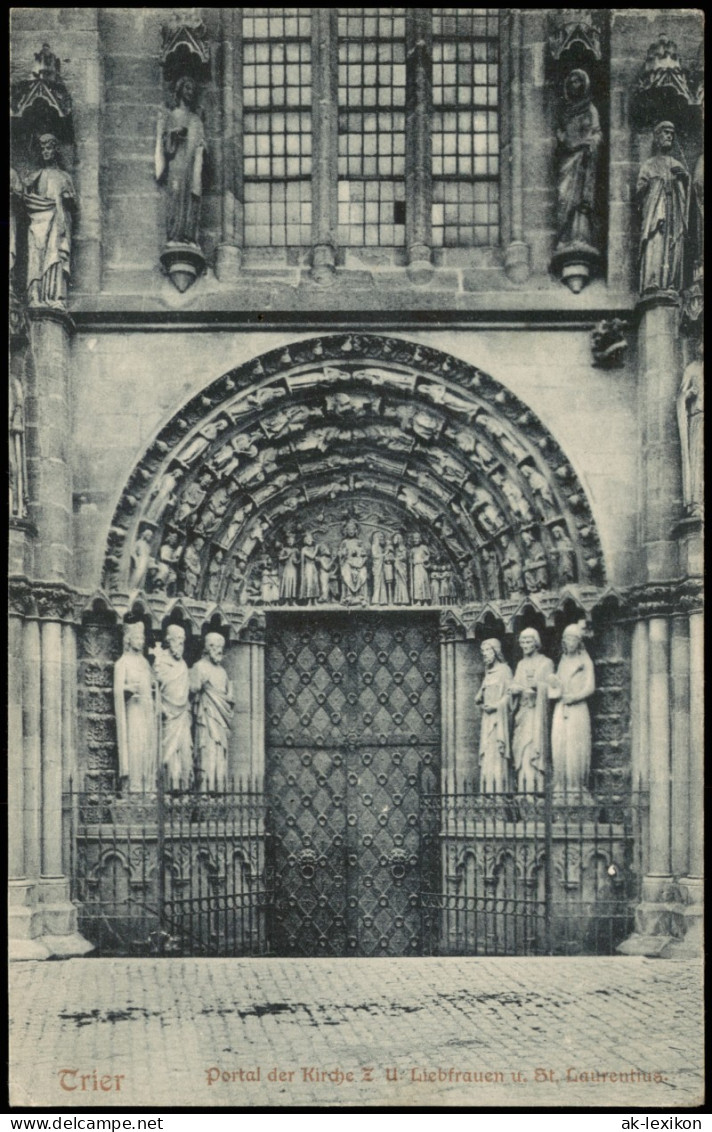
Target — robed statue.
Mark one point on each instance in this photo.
(662, 192)
(49, 201)
(530, 705)
(494, 746)
(690, 418)
(180, 157)
(580, 140)
(174, 682)
(213, 703)
(572, 687)
(136, 729)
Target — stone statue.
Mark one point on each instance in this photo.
(215, 575)
(536, 574)
(662, 193)
(389, 574)
(516, 500)
(325, 566)
(192, 498)
(573, 685)
(180, 157)
(354, 566)
(401, 587)
(163, 572)
(192, 566)
(494, 748)
(195, 447)
(490, 572)
(238, 578)
(420, 565)
(135, 713)
(174, 682)
(161, 496)
(17, 449)
(379, 593)
(543, 494)
(529, 694)
(309, 587)
(140, 558)
(269, 582)
(690, 419)
(49, 202)
(565, 554)
(512, 567)
(289, 558)
(580, 141)
(489, 516)
(213, 702)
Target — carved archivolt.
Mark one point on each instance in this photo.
(401, 440)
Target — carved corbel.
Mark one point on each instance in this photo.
(576, 35)
(609, 344)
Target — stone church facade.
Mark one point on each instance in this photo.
(346, 347)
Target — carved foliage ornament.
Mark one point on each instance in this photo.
(42, 100)
(333, 418)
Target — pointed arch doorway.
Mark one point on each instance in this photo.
(352, 744)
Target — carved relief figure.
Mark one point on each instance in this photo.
(180, 156)
(420, 561)
(269, 588)
(662, 193)
(140, 558)
(490, 572)
(354, 568)
(49, 201)
(489, 516)
(17, 449)
(289, 557)
(161, 496)
(548, 508)
(174, 682)
(379, 593)
(565, 554)
(163, 573)
(573, 685)
(690, 417)
(213, 702)
(325, 564)
(135, 713)
(215, 575)
(512, 568)
(536, 574)
(389, 573)
(401, 588)
(192, 566)
(580, 140)
(309, 587)
(529, 694)
(200, 442)
(494, 747)
(192, 498)
(513, 495)
(237, 580)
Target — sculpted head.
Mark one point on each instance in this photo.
(572, 639)
(49, 149)
(491, 650)
(215, 647)
(529, 641)
(577, 85)
(664, 136)
(187, 92)
(135, 637)
(175, 640)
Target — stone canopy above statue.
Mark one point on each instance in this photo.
(314, 474)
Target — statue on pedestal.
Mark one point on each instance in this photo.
(180, 158)
(571, 687)
(174, 682)
(49, 202)
(135, 713)
(530, 704)
(662, 193)
(494, 747)
(213, 702)
(691, 418)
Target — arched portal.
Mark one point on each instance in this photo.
(353, 513)
(399, 443)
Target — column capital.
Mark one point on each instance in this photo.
(663, 599)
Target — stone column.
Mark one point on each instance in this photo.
(257, 703)
(418, 144)
(229, 251)
(516, 256)
(693, 883)
(659, 870)
(50, 508)
(680, 744)
(639, 706)
(325, 93)
(447, 709)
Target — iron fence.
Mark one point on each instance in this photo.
(550, 872)
(171, 871)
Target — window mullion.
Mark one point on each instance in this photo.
(325, 94)
(418, 154)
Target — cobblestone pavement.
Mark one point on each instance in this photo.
(161, 1024)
